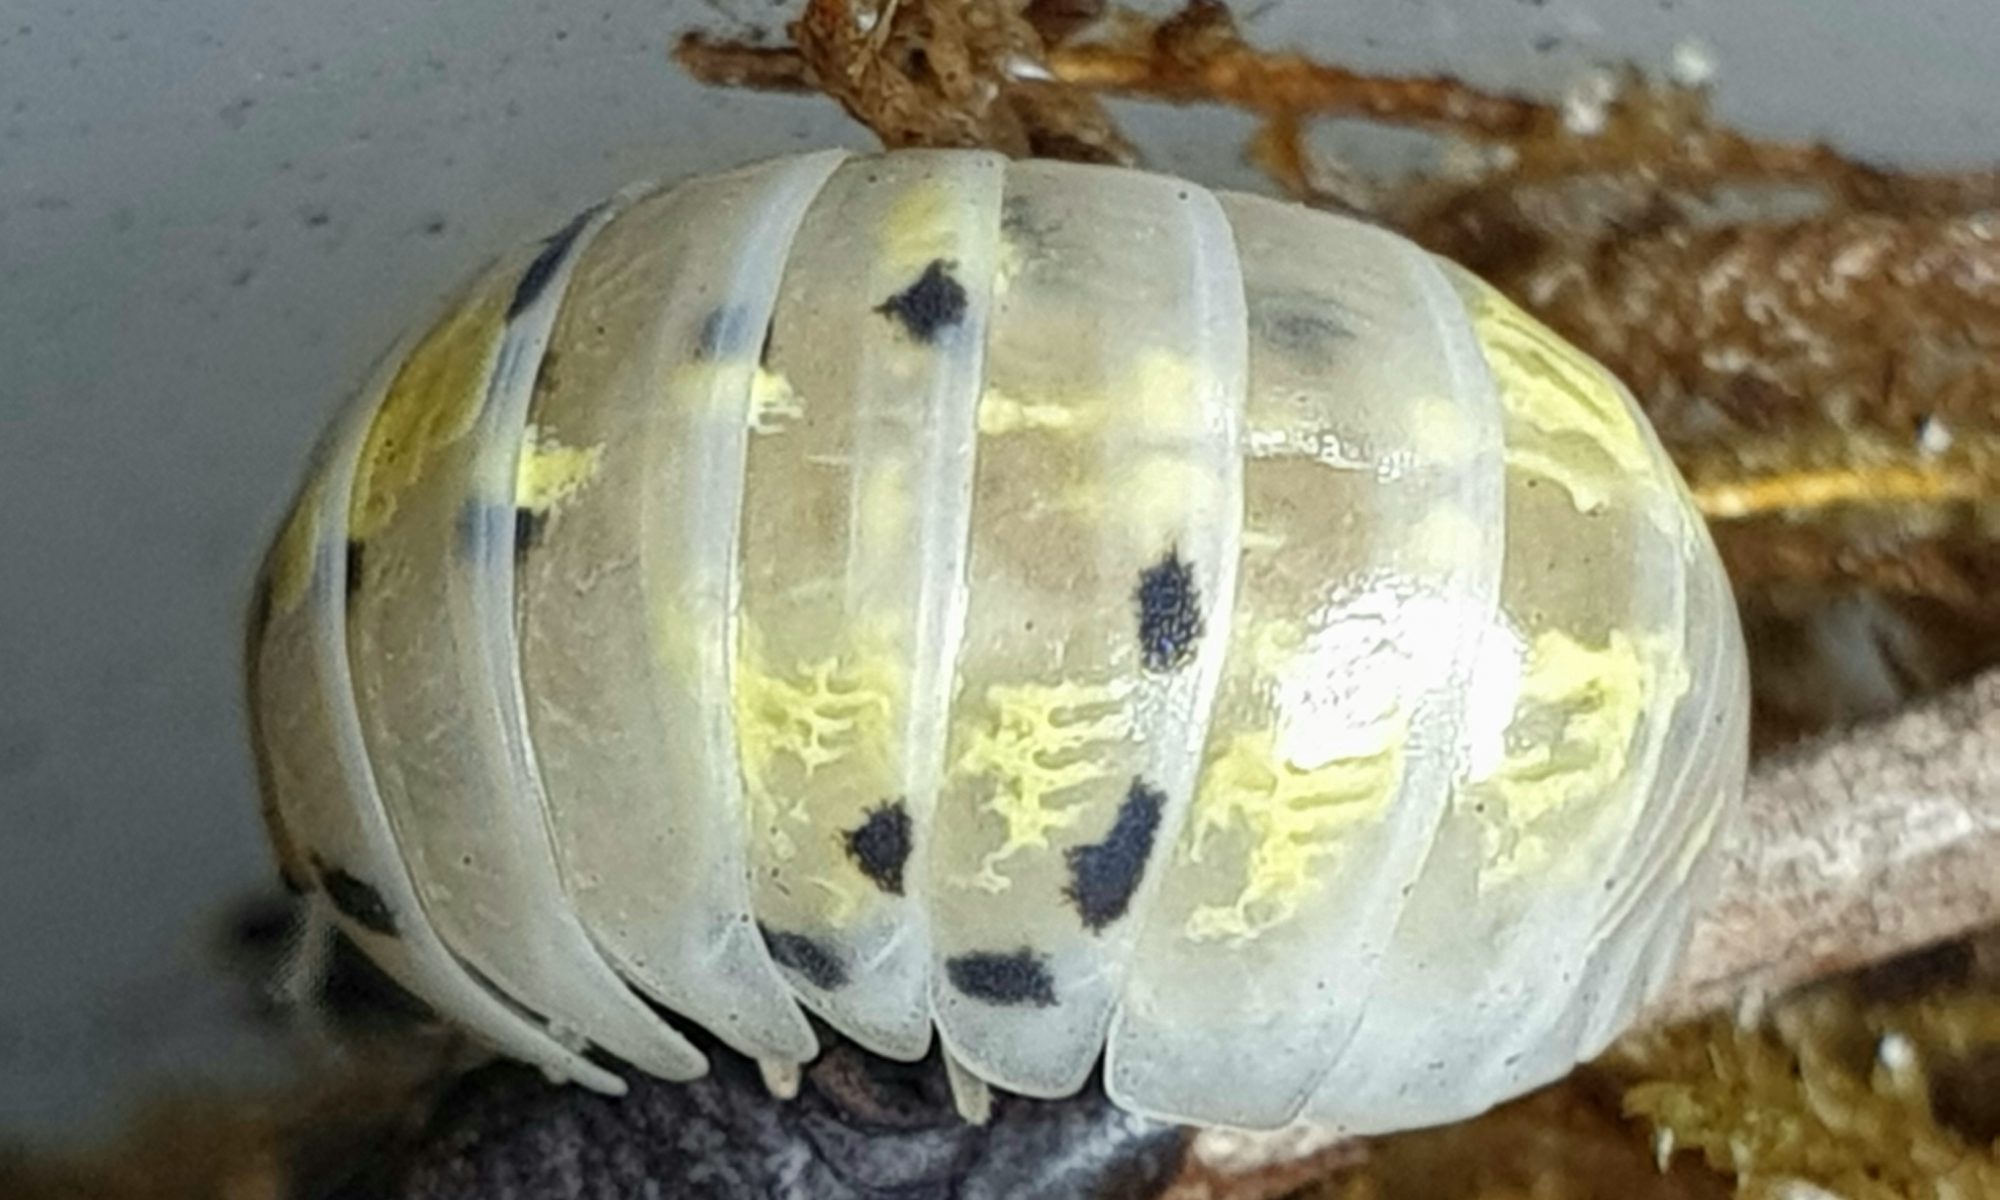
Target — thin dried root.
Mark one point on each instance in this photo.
(1022, 79)
(1805, 490)
(1198, 56)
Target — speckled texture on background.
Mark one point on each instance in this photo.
(214, 214)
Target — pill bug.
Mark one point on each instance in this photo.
(1061, 607)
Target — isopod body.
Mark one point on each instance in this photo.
(1058, 606)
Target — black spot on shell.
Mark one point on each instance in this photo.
(1024, 222)
(1169, 607)
(535, 280)
(807, 957)
(880, 845)
(354, 575)
(931, 305)
(1103, 875)
(1009, 980)
(356, 899)
(724, 331)
(1302, 331)
(528, 528)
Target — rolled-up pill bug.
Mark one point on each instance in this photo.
(1059, 606)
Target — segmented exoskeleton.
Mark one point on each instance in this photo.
(1056, 605)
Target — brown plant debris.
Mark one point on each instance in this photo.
(927, 73)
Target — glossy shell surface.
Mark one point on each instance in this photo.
(1062, 608)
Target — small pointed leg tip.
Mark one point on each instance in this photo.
(970, 1094)
(781, 1078)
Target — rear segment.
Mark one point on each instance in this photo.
(1055, 605)
(1603, 747)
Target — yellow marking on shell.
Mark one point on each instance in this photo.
(835, 715)
(1149, 501)
(1000, 413)
(1263, 541)
(1561, 393)
(1036, 743)
(1576, 715)
(1163, 396)
(1159, 395)
(735, 389)
(435, 400)
(924, 224)
(1153, 499)
(1587, 494)
(295, 551)
(549, 473)
(885, 510)
(1294, 819)
(843, 901)
(773, 401)
(815, 713)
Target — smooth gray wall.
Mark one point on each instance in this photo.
(213, 213)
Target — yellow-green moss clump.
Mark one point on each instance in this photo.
(1836, 1094)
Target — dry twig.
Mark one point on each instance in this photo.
(1855, 849)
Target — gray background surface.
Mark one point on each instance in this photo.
(214, 213)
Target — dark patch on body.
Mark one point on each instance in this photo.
(529, 526)
(726, 332)
(1301, 330)
(1104, 875)
(481, 525)
(1008, 980)
(1169, 609)
(934, 303)
(808, 957)
(880, 845)
(535, 280)
(722, 332)
(353, 576)
(1027, 224)
(356, 899)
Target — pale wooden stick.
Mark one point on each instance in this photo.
(1853, 849)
